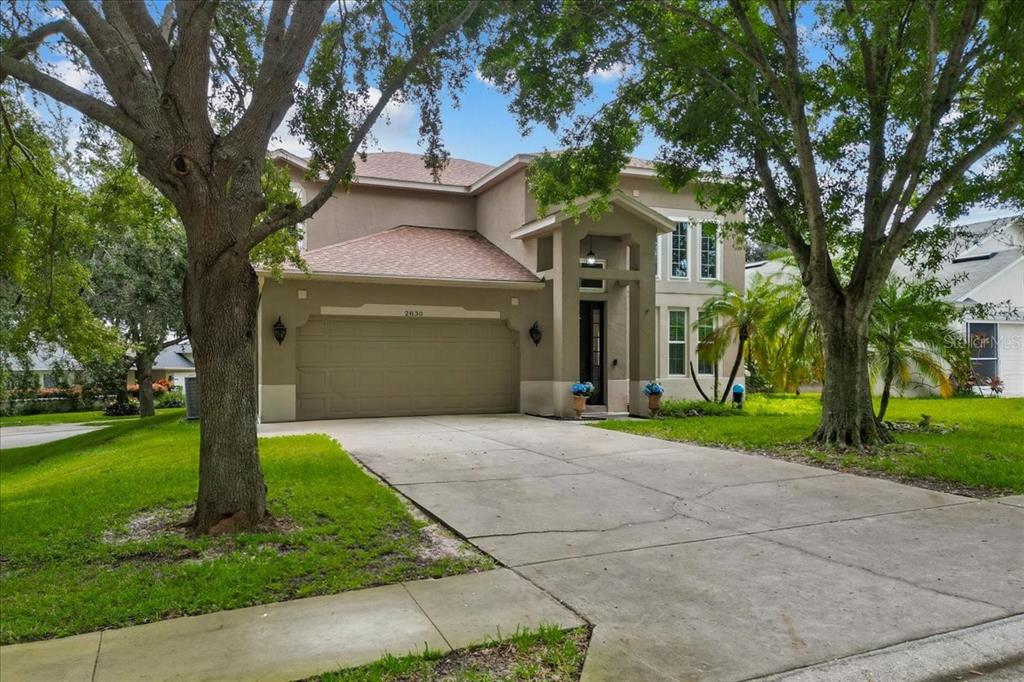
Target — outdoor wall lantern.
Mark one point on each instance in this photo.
(535, 334)
(591, 257)
(279, 330)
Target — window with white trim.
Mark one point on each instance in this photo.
(983, 338)
(681, 251)
(300, 194)
(657, 257)
(705, 325)
(677, 342)
(709, 251)
(593, 285)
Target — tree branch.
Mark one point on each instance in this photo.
(92, 107)
(150, 38)
(344, 160)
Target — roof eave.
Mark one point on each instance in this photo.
(355, 278)
(550, 222)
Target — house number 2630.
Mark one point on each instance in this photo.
(414, 313)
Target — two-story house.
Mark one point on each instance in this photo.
(428, 297)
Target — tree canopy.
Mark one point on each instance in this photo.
(838, 127)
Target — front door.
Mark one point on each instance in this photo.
(592, 348)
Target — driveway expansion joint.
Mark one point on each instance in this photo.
(427, 616)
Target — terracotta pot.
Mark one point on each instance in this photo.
(579, 404)
(654, 404)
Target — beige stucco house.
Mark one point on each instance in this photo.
(429, 297)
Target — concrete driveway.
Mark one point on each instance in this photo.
(701, 563)
(24, 436)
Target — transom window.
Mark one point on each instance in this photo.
(595, 285)
(705, 325)
(681, 251)
(709, 251)
(677, 342)
(983, 338)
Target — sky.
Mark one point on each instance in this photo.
(480, 129)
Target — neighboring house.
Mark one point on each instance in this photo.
(988, 269)
(172, 364)
(455, 296)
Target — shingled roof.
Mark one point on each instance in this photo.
(409, 167)
(420, 253)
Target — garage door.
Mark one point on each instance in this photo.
(372, 367)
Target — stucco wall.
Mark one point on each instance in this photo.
(366, 210)
(294, 300)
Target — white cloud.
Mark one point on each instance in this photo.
(612, 72)
(396, 130)
(70, 74)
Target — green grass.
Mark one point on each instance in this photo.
(545, 654)
(62, 418)
(60, 576)
(983, 455)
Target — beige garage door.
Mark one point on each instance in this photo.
(372, 367)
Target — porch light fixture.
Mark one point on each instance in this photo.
(535, 334)
(279, 330)
(591, 258)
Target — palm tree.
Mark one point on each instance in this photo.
(911, 331)
(738, 316)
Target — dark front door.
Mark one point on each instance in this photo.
(592, 348)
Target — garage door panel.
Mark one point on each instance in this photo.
(354, 367)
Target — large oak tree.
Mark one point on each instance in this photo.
(841, 125)
(199, 90)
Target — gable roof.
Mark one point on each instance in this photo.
(550, 222)
(419, 253)
(173, 357)
(410, 168)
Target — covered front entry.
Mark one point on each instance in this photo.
(386, 366)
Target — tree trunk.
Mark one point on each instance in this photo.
(847, 415)
(221, 301)
(144, 378)
(883, 403)
(735, 367)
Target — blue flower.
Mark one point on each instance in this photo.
(582, 389)
(653, 388)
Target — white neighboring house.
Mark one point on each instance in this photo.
(990, 271)
(173, 364)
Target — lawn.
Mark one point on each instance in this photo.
(61, 418)
(975, 449)
(87, 535)
(542, 655)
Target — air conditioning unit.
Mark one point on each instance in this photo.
(191, 397)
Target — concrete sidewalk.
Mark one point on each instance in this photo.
(296, 639)
(24, 436)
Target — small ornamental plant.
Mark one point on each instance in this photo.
(580, 392)
(584, 389)
(653, 390)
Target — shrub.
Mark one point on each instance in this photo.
(697, 408)
(122, 409)
(172, 398)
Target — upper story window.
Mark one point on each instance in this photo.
(677, 342)
(681, 251)
(300, 193)
(709, 251)
(657, 257)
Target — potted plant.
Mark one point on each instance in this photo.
(653, 390)
(580, 393)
